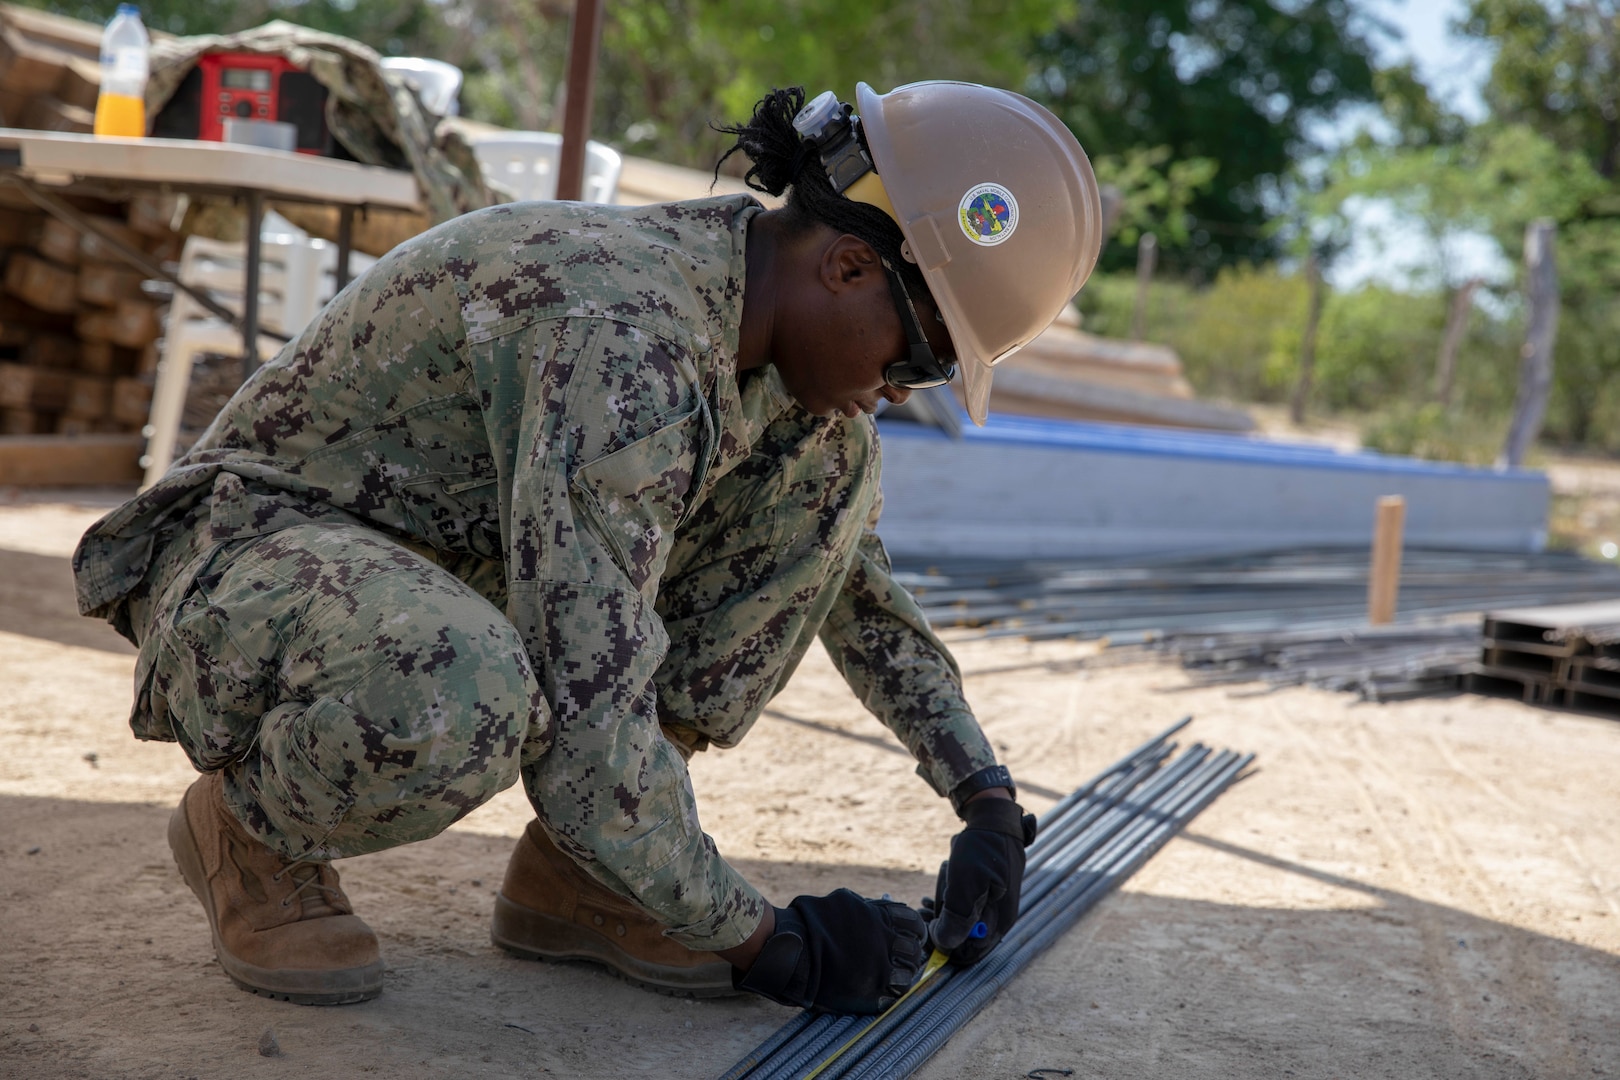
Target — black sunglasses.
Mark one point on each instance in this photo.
(922, 368)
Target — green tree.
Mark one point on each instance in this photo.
(1556, 74)
(1237, 82)
(671, 67)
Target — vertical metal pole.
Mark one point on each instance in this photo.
(1384, 581)
(586, 33)
(345, 245)
(250, 285)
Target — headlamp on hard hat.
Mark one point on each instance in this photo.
(833, 129)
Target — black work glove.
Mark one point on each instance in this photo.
(839, 953)
(982, 880)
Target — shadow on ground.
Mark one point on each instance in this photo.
(109, 975)
(37, 600)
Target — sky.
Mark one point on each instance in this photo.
(1455, 69)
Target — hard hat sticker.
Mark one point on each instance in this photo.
(988, 214)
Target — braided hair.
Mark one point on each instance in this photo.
(781, 161)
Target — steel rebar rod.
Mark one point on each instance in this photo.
(1062, 805)
(807, 1057)
(1104, 810)
(807, 1026)
(922, 1001)
(951, 1011)
(774, 1042)
(882, 1042)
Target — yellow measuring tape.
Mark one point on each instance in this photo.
(929, 970)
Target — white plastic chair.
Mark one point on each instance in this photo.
(297, 276)
(525, 163)
(436, 83)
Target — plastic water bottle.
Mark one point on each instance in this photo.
(125, 62)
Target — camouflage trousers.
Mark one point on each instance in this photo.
(360, 693)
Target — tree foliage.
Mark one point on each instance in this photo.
(1236, 82)
(670, 67)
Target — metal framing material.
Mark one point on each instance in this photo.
(1092, 840)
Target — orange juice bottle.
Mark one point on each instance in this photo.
(125, 49)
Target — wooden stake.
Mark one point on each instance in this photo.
(1384, 581)
(1147, 259)
(1445, 365)
(1540, 335)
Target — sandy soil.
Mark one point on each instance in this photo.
(1423, 889)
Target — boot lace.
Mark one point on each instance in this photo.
(307, 875)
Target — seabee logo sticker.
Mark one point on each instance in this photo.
(988, 213)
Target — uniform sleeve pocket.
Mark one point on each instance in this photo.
(633, 499)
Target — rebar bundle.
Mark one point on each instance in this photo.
(1129, 602)
(1088, 843)
(1382, 663)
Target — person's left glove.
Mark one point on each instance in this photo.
(982, 880)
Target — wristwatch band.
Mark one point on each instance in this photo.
(992, 776)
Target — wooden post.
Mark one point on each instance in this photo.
(1307, 343)
(582, 44)
(1384, 577)
(1147, 258)
(1536, 356)
(1445, 364)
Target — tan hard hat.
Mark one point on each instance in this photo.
(999, 208)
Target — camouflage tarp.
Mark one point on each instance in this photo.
(373, 114)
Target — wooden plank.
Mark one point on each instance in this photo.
(131, 401)
(18, 228)
(89, 396)
(25, 422)
(105, 358)
(25, 387)
(47, 112)
(58, 241)
(29, 319)
(153, 215)
(52, 460)
(80, 82)
(133, 324)
(105, 284)
(27, 67)
(42, 284)
(1038, 394)
(50, 351)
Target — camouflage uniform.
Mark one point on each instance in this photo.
(507, 506)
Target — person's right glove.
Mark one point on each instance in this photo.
(982, 880)
(839, 953)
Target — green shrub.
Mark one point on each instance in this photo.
(1431, 432)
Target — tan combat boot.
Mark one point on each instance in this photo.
(282, 928)
(551, 909)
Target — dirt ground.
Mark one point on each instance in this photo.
(1420, 889)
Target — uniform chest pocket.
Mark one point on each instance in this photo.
(633, 499)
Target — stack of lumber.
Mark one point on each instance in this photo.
(1567, 654)
(1068, 374)
(50, 73)
(78, 331)
(78, 335)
